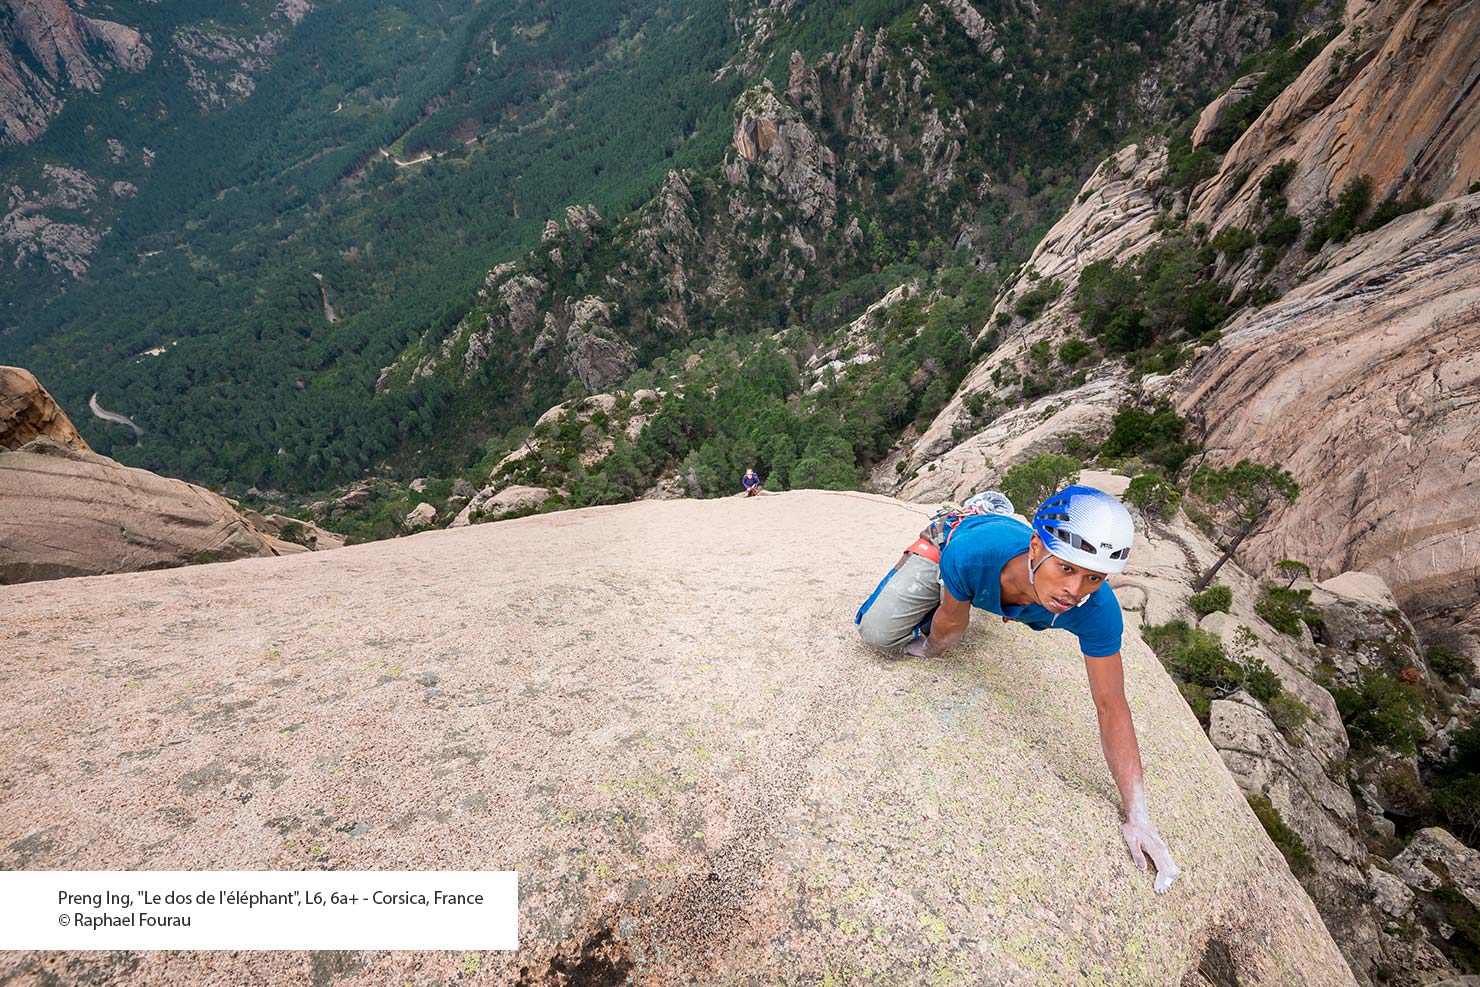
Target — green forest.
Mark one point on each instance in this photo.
(522, 109)
(214, 259)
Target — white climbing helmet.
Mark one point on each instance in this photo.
(1086, 527)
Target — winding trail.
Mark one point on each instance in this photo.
(324, 294)
(425, 155)
(113, 416)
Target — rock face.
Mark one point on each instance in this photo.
(1309, 801)
(1361, 621)
(1113, 215)
(70, 512)
(973, 24)
(591, 351)
(1424, 882)
(27, 411)
(1342, 804)
(353, 498)
(519, 298)
(1436, 858)
(708, 778)
(290, 529)
(41, 223)
(67, 511)
(421, 515)
(667, 240)
(792, 163)
(223, 66)
(1361, 382)
(1393, 97)
(491, 504)
(580, 219)
(1041, 427)
(46, 49)
(1217, 111)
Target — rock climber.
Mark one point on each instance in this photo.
(1050, 574)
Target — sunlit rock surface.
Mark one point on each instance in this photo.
(697, 770)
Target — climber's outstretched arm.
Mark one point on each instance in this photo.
(1123, 755)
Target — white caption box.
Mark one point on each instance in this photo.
(467, 910)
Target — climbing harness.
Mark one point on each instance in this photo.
(944, 522)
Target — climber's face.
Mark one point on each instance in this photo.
(1060, 585)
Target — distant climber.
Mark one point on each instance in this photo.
(1052, 570)
(751, 482)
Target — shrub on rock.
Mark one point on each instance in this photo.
(1212, 600)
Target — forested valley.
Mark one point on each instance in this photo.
(205, 314)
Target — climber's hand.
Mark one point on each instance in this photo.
(1143, 840)
(916, 648)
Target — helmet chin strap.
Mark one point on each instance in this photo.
(1032, 569)
(1033, 566)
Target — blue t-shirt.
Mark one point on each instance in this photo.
(971, 568)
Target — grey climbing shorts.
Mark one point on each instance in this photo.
(900, 608)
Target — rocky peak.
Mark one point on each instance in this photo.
(789, 162)
(801, 86)
(48, 48)
(974, 24)
(755, 125)
(756, 23)
(1217, 111)
(27, 411)
(498, 273)
(516, 313)
(938, 150)
(580, 219)
(667, 233)
(590, 351)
